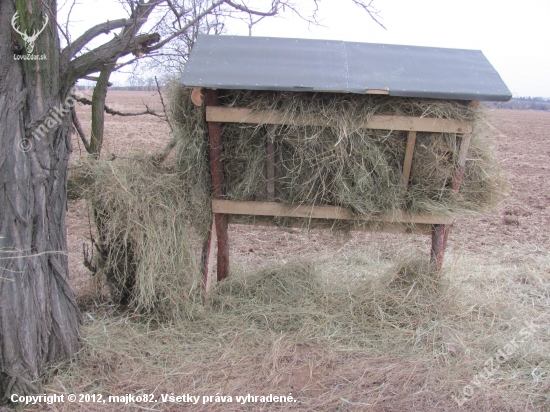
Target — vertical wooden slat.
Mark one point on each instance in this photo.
(270, 149)
(411, 140)
(216, 169)
(461, 162)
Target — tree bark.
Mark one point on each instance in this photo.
(39, 318)
(98, 111)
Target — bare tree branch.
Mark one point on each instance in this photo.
(79, 129)
(68, 20)
(192, 22)
(161, 157)
(96, 59)
(372, 12)
(95, 79)
(116, 112)
(274, 8)
(164, 106)
(121, 65)
(54, 18)
(73, 48)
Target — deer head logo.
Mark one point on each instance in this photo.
(29, 40)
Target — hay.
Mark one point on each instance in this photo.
(147, 237)
(404, 339)
(289, 298)
(353, 167)
(151, 222)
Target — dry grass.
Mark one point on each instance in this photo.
(405, 340)
(147, 236)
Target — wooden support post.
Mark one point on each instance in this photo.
(270, 149)
(208, 258)
(411, 140)
(440, 233)
(216, 169)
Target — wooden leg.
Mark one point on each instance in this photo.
(440, 234)
(223, 245)
(208, 258)
(216, 170)
(411, 140)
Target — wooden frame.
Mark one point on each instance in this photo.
(320, 216)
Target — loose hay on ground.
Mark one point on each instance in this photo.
(405, 341)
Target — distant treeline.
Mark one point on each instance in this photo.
(522, 103)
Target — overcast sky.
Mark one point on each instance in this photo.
(513, 35)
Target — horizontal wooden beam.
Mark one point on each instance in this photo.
(233, 207)
(418, 124)
(400, 228)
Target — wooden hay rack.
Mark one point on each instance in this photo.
(305, 65)
(437, 226)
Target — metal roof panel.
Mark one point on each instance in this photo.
(268, 63)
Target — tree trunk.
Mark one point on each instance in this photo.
(98, 111)
(39, 318)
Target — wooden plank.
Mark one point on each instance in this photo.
(318, 212)
(411, 140)
(461, 161)
(270, 149)
(418, 124)
(216, 171)
(399, 228)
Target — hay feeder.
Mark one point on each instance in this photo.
(279, 65)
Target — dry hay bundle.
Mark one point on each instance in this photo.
(345, 165)
(146, 241)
